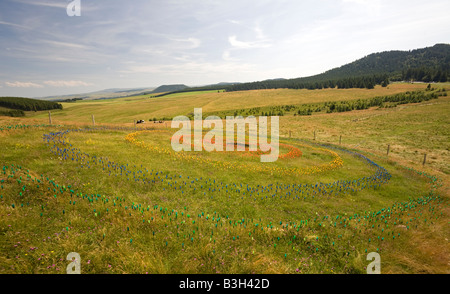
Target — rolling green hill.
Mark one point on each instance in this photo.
(431, 64)
(396, 64)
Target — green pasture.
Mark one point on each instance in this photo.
(127, 207)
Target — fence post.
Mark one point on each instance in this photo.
(340, 139)
(314, 135)
(49, 118)
(93, 120)
(388, 150)
(424, 159)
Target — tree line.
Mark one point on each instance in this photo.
(369, 82)
(427, 74)
(382, 101)
(28, 104)
(388, 101)
(12, 113)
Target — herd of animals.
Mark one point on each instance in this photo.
(141, 121)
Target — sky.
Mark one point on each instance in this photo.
(58, 47)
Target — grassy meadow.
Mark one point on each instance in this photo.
(118, 195)
(126, 110)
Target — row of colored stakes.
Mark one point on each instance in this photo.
(280, 222)
(109, 165)
(53, 183)
(22, 126)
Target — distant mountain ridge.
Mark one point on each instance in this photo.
(168, 88)
(102, 94)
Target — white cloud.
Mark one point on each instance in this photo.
(234, 21)
(67, 83)
(247, 45)
(65, 44)
(364, 9)
(60, 5)
(46, 4)
(13, 25)
(57, 51)
(259, 32)
(202, 68)
(226, 55)
(192, 43)
(23, 85)
(260, 40)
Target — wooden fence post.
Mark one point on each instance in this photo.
(93, 120)
(49, 118)
(388, 150)
(314, 135)
(424, 159)
(340, 139)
